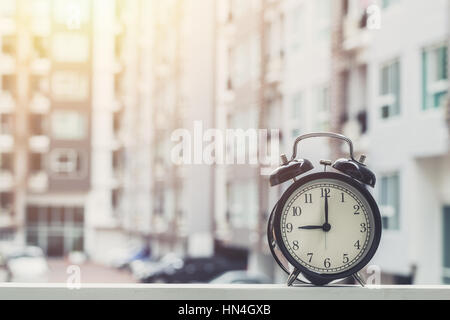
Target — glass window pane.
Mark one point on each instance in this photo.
(446, 237)
(70, 48)
(68, 125)
(70, 86)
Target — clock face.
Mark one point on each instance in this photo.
(327, 226)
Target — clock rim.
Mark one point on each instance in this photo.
(321, 278)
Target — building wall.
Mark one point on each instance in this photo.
(415, 143)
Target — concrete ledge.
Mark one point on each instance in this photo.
(218, 292)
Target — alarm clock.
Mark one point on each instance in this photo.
(326, 226)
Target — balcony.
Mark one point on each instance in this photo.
(7, 26)
(7, 102)
(355, 128)
(7, 64)
(6, 219)
(40, 66)
(41, 27)
(274, 69)
(40, 103)
(38, 182)
(39, 144)
(6, 180)
(356, 37)
(6, 142)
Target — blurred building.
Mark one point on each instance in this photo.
(391, 91)
(46, 101)
(92, 92)
(182, 93)
(154, 75)
(119, 207)
(273, 66)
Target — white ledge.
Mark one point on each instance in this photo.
(218, 292)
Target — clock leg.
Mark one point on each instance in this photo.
(292, 277)
(359, 279)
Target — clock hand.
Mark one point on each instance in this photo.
(326, 209)
(311, 227)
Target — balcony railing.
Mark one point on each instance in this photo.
(38, 181)
(218, 292)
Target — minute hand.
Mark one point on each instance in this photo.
(326, 209)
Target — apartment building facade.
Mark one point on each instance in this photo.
(391, 86)
(273, 70)
(46, 76)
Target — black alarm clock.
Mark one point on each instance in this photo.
(326, 226)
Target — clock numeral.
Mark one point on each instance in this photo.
(327, 263)
(289, 227)
(342, 197)
(357, 245)
(357, 208)
(295, 245)
(363, 228)
(325, 192)
(296, 211)
(310, 255)
(345, 259)
(308, 198)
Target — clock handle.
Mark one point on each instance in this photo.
(323, 134)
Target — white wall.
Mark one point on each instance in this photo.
(397, 144)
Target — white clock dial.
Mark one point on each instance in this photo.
(333, 246)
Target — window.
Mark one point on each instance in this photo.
(37, 124)
(8, 83)
(390, 89)
(434, 76)
(243, 199)
(243, 67)
(388, 3)
(73, 14)
(6, 200)
(8, 8)
(296, 114)
(66, 162)
(58, 230)
(297, 27)
(323, 13)
(390, 201)
(70, 47)
(322, 109)
(70, 86)
(68, 125)
(6, 123)
(9, 45)
(39, 84)
(446, 245)
(41, 47)
(6, 161)
(36, 162)
(273, 41)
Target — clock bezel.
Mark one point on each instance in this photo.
(321, 278)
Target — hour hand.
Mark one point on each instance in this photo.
(311, 227)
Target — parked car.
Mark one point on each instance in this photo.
(143, 269)
(240, 277)
(123, 259)
(27, 264)
(193, 270)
